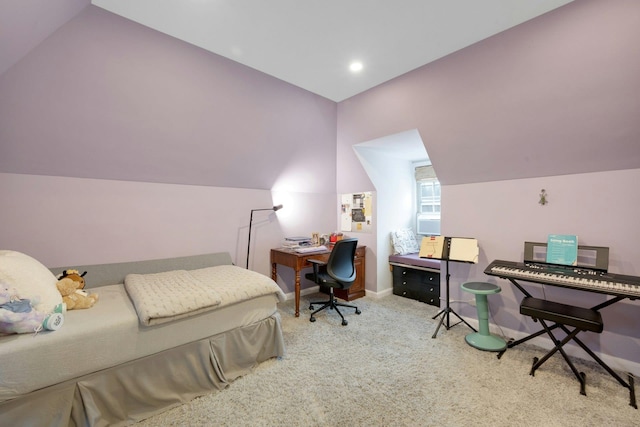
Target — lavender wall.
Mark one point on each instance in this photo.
(104, 97)
(556, 95)
(120, 143)
(601, 208)
(549, 104)
(64, 221)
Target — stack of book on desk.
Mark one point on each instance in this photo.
(295, 242)
(302, 245)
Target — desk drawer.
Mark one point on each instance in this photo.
(417, 284)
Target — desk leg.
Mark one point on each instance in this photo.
(297, 293)
(274, 277)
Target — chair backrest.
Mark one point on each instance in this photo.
(340, 265)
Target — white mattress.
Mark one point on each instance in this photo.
(107, 335)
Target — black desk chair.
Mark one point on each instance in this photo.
(338, 272)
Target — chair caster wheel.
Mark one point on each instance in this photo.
(358, 311)
(344, 323)
(312, 319)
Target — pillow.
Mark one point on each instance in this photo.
(404, 242)
(31, 279)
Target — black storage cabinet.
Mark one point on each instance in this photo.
(418, 283)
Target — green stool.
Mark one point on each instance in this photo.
(482, 339)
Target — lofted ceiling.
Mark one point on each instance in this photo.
(307, 43)
(311, 44)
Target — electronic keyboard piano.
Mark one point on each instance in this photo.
(582, 278)
(594, 278)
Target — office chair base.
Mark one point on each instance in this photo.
(331, 304)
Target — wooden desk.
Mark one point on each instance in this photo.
(297, 261)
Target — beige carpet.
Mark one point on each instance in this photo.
(384, 369)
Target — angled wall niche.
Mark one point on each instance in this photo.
(389, 163)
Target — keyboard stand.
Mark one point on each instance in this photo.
(550, 312)
(447, 311)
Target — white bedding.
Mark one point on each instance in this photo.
(164, 297)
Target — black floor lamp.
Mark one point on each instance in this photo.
(274, 208)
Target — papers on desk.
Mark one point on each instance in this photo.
(311, 249)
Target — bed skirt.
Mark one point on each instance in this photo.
(141, 388)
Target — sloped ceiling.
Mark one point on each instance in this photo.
(307, 44)
(557, 95)
(26, 23)
(311, 43)
(554, 95)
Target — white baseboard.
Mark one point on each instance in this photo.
(303, 292)
(377, 295)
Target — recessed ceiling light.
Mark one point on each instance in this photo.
(356, 66)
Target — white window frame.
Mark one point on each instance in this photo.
(428, 209)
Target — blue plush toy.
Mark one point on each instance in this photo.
(17, 316)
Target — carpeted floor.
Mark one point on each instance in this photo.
(384, 369)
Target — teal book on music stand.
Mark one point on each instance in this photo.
(562, 249)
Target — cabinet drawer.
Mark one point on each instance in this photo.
(411, 275)
(417, 284)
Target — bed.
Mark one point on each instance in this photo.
(110, 365)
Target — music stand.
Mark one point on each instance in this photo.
(439, 247)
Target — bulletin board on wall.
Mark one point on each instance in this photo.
(356, 212)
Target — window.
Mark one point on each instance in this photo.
(428, 201)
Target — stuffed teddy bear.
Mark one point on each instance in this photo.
(75, 276)
(70, 286)
(18, 316)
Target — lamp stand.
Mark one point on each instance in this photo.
(275, 209)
